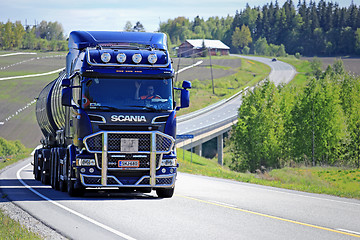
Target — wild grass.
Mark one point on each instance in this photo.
(329, 180)
(302, 67)
(11, 229)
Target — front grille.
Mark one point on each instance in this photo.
(144, 162)
(159, 181)
(163, 143)
(97, 181)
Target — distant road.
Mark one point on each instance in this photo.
(281, 72)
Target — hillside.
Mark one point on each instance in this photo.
(17, 111)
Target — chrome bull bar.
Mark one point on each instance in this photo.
(158, 143)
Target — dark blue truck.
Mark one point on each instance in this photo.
(109, 119)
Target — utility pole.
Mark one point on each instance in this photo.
(212, 77)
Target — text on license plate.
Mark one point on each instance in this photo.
(128, 163)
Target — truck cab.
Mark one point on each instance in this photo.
(113, 115)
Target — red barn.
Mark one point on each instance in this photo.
(194, 48)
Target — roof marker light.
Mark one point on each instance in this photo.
(137, 58)
(105, 57)
(121, 57)
(152, 58)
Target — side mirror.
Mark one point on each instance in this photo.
(65, 82)
(184, 98)
(186, 84)
(66, 95)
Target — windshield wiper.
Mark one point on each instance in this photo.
(110, 108)
(150, 108)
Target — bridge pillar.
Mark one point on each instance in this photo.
(198, 149)
(220, 144)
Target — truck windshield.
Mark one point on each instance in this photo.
(127, 94)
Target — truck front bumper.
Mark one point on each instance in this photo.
(163, 181)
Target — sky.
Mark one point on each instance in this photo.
(91, 15)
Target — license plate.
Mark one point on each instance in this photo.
(129, 145)
(128, 163)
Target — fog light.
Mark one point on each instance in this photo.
(163, 170)
(171, 170)
(82, 170)
(91, 170)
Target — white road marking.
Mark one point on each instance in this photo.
(32, 75)
(18, 53)
(120, 234)
(344, 230)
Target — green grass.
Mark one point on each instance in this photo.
(11, 229)
(302, 67)
(330, 180)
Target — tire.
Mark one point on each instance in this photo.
(56, 169)
(72, 191)
(37, 172)
(165, 192)
(45, 169)
(62, 170)
(52, 168)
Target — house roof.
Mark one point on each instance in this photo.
(198, 43)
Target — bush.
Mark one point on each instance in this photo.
(8, 148)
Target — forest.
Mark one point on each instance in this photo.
(307, 28)
(46, 36)
(314, 125)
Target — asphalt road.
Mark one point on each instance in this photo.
(202, 208)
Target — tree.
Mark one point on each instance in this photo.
(138, 27)
(128, 27)
(261, 47)
(357, 41)
(241, 38)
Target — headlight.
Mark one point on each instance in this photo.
(168, 162)
(105, 57)
(137, 58)
(121, 57)
(85, 162)
(152, 58)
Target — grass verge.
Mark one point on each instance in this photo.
(330, 180)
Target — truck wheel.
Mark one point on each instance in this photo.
(45, 169)
(37, 172)
(62, 170)
(165, 192)
(72, 191)
(56, 169)
(52, 168)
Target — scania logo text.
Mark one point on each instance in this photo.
(127, 118)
